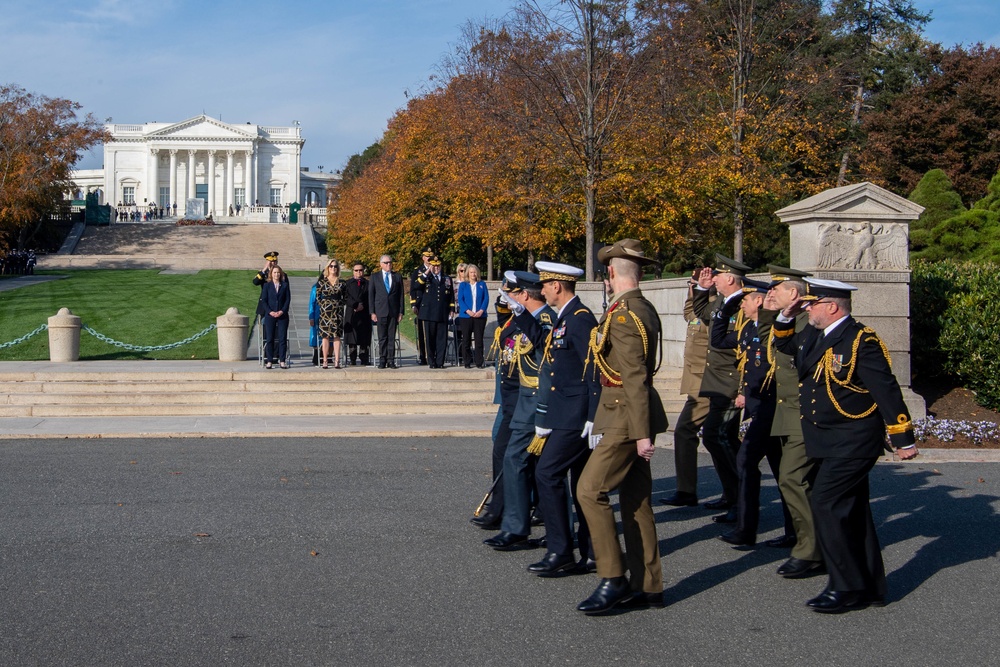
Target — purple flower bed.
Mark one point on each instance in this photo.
(948, 430)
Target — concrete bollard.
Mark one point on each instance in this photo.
(232, 329)
(64, 336)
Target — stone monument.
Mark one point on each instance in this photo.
(859, 234)
(194, 209)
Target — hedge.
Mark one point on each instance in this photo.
(955, 325)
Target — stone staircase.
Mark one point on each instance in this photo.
(237, 392)
(164, 245)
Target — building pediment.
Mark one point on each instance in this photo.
(858, 201)
(202, 127)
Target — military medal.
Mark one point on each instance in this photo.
(838, 362)
(756, 361)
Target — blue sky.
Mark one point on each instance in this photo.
(340, 68)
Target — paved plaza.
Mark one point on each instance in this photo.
(358, 551)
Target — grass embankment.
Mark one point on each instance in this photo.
(141, 307)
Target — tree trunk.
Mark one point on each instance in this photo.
(738, 228)
(489, 262)
(859, 96)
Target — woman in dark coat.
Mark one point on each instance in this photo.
(358, 324)
(277, 299)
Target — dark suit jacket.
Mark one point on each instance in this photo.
(358, 323)
(861, 383)
(720, 378)
(380, 303)
(280, 299)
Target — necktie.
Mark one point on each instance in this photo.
(386, 277)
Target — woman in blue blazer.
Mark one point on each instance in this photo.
(473, 300)
(277, 300)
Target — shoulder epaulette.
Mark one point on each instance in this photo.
(581, 310)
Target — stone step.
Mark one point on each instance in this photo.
(300, 373)
(334, 385)
(279, 399)
(254, 409)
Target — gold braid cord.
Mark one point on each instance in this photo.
(769, 354)
(825, 368)
(522, 355)
(596, 350)
(536, 445)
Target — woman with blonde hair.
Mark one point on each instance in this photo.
(331, 295)
(473, 302)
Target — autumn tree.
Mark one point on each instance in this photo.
(41, 139)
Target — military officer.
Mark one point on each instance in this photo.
(756, 398)
(507, 385)
(525, 359)
(423, 270)
(626, 421)
(435, 299)
(787, 285)
(720, 383)
(566, 394)
(849, 401)
(695, 408)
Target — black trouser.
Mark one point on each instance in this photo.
(386, 340)
(275, 331)
(757, 444)
(472, 327)
(564, 451)
(437, 341)
(721, 437)
(354, 351)
(421, 343)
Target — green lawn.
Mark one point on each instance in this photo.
(140, 307)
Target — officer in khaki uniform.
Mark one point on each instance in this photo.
(695, 407)
(628, 417)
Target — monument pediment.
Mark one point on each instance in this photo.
(202, 127)
(858, 201)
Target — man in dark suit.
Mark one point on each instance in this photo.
(719, 384)
(565, 395)
(849, 400)
(358, 324)
(385, 301)
(435, 299)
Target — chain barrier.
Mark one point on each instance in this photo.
(24, 337)
(147, 348)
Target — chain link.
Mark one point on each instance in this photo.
(24, 337)
(147, 348)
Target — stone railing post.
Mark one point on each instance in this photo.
(64, 336)
(232, 330)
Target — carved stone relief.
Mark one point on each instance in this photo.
(864, 246)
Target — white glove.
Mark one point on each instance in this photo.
(595, 440)
(516, 307)
(542, 432)
(502, 296)
(588, 428)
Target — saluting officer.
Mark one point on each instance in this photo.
(415, 289)
(849, 400)
(787, 285)
(720, 383)
(524, 359)
(626, 421)
(756, 398)
(435, 299)
(566, 394)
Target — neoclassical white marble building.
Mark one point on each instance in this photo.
(224, 164)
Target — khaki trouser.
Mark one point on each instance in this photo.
(795, 467)
(615, 464)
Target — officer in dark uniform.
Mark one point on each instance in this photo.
(566, 393)
(787, 285)
(507, 384)
(525, 358)
(435, 300)
(849, 401)
(756, 398)
(263, 277)
(423, 270)
(720, 383)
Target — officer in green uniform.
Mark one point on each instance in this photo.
(626, 420)
(787, 286)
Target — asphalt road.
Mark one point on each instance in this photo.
(359, 552)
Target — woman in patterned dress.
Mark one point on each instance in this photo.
(331, 296)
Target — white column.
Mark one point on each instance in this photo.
(251, 178)
(248, 198)
(152, 176)
(173, 178)
(211, 181)
(190, 178)
(230, 185)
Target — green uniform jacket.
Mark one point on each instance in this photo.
(721, 378)
(787, 417)
(634, 408)
(695, 350)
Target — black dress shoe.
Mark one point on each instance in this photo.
(609, 593)
(680, 499)
(586, 566)
(381, 366)
(738, 539)
(552, 565)
(643, 601)
(797, 568)
(720, 504)
(783, 542)
(536, 518)
(728, 517)
(507, 541)
(487, 521)
(836, 602)
(392, 365)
